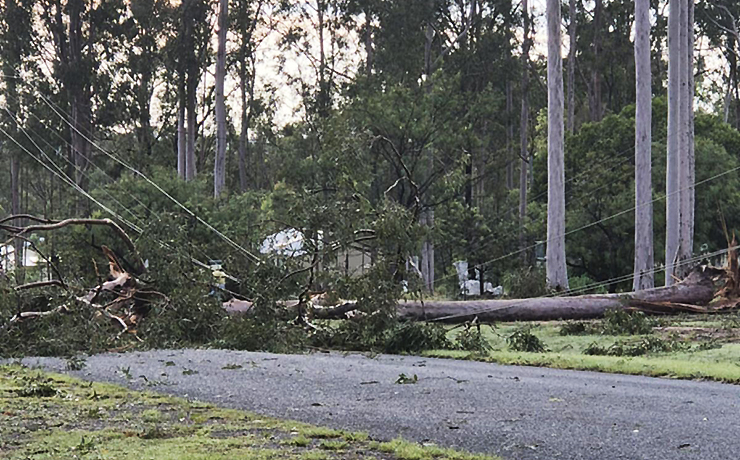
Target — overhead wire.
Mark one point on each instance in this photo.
(597, 222)
(58, 111)
(587, 288)
(121, 205)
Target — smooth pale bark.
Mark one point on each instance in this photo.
(181, 139)
(691, 138)
(509, 136)
(523, 131)
(595, 90)
(572, 67)
(686, 178)
(219, 171)
(691, 295)
(556, 270)
(192, 77)
(369, 50)
(697, 289)
(244, 131)
(426, 217)
(190, 169)
(644, 257)
(673, 141)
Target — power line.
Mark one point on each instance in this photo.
(593, 286)
(231, 242)
(600, 221)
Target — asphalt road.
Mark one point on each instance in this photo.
(515, 412)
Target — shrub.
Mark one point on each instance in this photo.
(523, 340)
(525, 283)
(623, 322)
(471, 339)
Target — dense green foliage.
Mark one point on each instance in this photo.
(382, 127)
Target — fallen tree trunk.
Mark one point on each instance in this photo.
(691, 294)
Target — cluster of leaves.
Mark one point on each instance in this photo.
(615, 322)
(524, 340)
(470, 338)
(644, 346)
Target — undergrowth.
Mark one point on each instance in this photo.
(615, 322)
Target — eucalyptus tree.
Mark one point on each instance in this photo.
(78, 30)
(644, 258)
(673, 210)
(149, 25)
(524, 127)
(557, 273)
(191, 57)
(15, 47)
(572, 33)
(219, 169)
(250, 25)
(719, 22)
(686, 179)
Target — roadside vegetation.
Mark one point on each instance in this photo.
(685, 347)
(49, 416)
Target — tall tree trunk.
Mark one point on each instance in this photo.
(244, 131)
(79, 94)
(644, 257)
(323, 96)
(595, 93)
(191, 120)
(523, 132)
(370, 52)
(674, 142)
(732, 83)
(557, 274)
(686, 179)
(145, 114)
(427, 215)
(509, 136)
(219, 171)
(192, 76)
(181, 135)
(572, 67)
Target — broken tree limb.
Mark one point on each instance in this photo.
(40, 284)
(16, 231)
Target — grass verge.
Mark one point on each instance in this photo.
(50, 416)
(720, 362)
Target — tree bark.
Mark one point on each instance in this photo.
(572, 67)
(219, 172)
(674, 142)
(557, 275)
(192, 77)
(181, 137)
(686, 179)
(696, 290)
(644, 257)
(595, 93)
(509, 136)
(523, 132)
(244, 131)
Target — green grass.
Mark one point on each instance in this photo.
(47, 416)
(566, 352)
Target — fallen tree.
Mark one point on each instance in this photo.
(704, 290)
(119, 299)
(692, 294)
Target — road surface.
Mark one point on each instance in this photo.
(516, 412)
